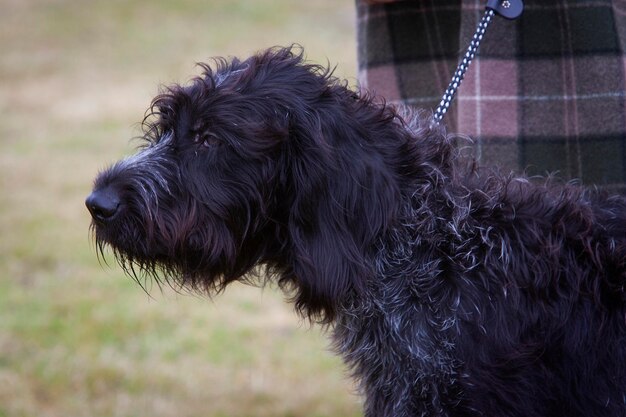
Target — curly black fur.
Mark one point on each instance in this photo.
(449, 291)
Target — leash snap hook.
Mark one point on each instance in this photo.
(509, 9)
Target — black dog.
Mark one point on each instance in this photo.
(450, 291)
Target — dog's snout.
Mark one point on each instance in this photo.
(103, 204)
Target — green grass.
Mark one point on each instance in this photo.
(78, 338)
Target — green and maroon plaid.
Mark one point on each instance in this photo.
(546, 92)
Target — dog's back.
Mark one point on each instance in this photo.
(498, 297)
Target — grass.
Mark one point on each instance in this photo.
(78, 338)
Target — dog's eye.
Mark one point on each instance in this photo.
(208, 140)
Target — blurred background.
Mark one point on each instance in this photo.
(81, 339)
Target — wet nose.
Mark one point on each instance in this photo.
(103, 204)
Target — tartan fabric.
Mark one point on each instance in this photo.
(546, 92)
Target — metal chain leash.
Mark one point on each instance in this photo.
(511, 9)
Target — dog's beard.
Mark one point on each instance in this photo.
(171, 247)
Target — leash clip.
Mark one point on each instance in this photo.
(509, 9)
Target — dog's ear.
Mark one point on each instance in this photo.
(339, 174)
(345, 197)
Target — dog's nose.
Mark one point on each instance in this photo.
(103, 204)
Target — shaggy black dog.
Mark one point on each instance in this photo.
(449, 291)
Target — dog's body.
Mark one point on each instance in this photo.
(450, 291)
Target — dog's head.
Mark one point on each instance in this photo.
(267, 161)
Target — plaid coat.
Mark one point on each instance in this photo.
(546, 92)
